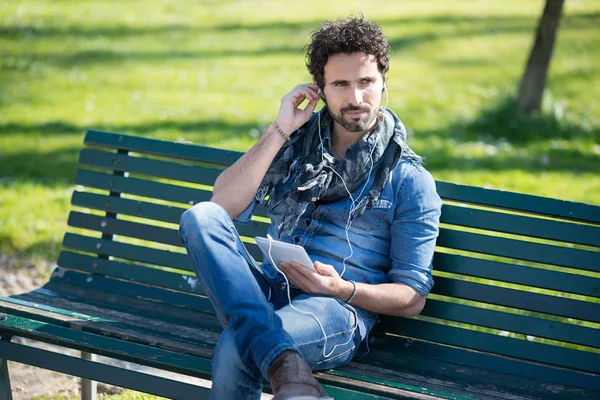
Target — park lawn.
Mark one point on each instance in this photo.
(213, 72)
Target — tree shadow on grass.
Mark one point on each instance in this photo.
(440, 27)
(490, 23)
(488, 158)
(59, 166)
(503, 119)
(28, 257)
(504, 138)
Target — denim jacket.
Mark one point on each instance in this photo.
(392, 242)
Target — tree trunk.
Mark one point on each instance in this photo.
(536, 72)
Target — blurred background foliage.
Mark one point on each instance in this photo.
(212, 72)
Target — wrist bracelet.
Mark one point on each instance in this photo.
(285, 136)
(353, 293)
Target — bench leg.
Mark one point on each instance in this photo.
(5, 390)
(88, 388)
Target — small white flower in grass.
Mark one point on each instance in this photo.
(490, 149)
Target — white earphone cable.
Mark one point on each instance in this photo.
(348, 222)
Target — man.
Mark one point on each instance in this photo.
(344, 185)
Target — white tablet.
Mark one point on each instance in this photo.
(284, 252)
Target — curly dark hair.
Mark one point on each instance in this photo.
(345, 36)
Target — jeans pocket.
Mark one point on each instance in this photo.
(336, 360)
(346, 343)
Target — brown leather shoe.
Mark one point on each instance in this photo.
(291, 378)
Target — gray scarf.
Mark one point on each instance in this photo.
(312, 176)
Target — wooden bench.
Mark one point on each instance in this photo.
(514, 313)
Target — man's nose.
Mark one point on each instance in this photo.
(356, 96)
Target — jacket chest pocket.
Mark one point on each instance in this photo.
(371, 219)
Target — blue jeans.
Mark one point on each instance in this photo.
(252, 305)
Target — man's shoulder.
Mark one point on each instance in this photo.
(412, 177)
(408, 170)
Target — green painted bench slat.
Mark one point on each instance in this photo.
(471, 339)
(120, 205)
(113, 375)
(106, 294)
(520, 299)
(127, 271)
(521, 202)
(521, 225)
(124, 228)
(148, 167)
(523, 324)
(67, 283)
(127, 251)
(135, 253)
(110, 347)
(518, 274)
(142, 209)
(102, 319)
(516, 249)
(182, 151)
(433, 356)
(142, 231)
(144, 188)
(140, 187)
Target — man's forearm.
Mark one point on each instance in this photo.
(236, 186)
(387, 298)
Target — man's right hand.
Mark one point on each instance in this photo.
(236, 186)
(291, 117)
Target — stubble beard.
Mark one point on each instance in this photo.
(352, 125)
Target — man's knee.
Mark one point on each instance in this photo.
(202, 216)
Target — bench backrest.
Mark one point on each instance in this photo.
(515, 275)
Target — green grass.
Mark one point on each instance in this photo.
(213, 73)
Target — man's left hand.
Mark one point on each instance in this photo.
(323, 280)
